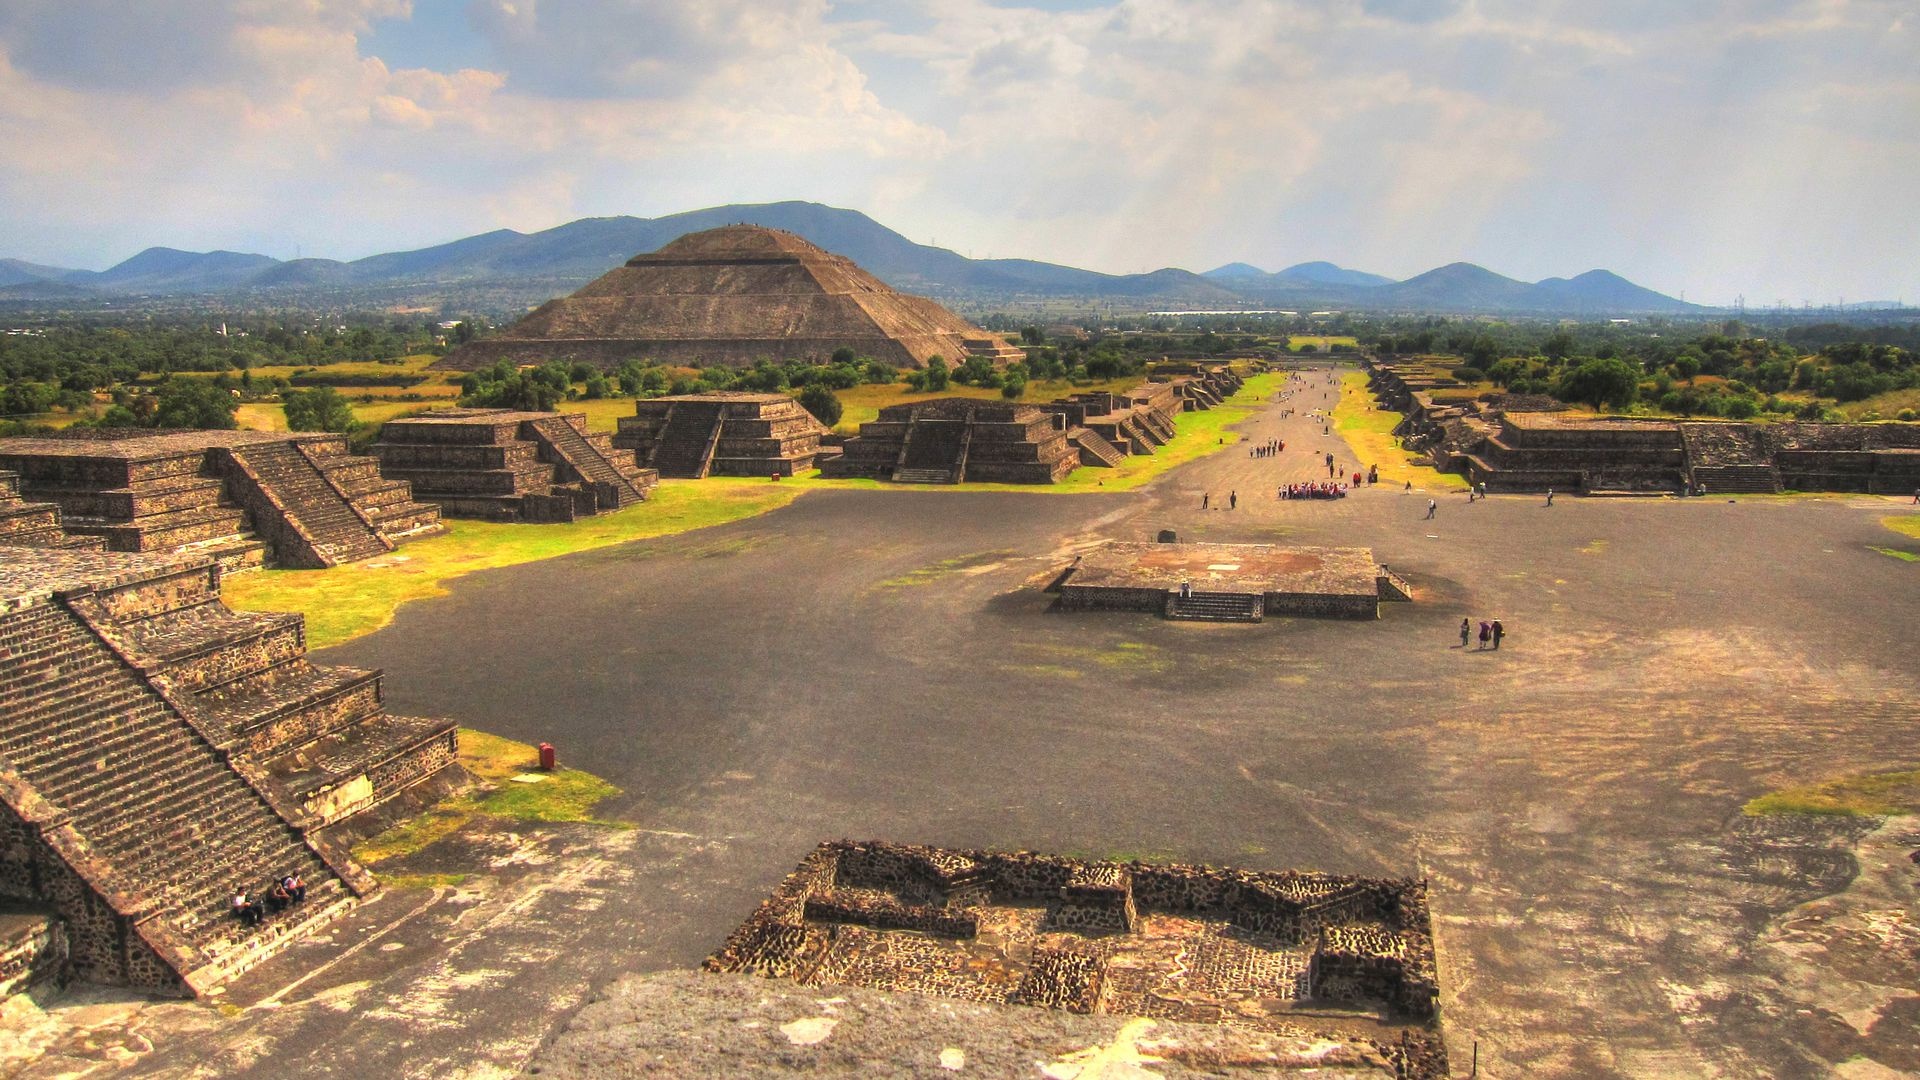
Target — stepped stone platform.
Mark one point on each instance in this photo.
(1287, 953)
(953, 440)
(1106, 427)
(692, 436)
(505, 465)
(1228, 582)
(736, 295)
(243, 497)
(158, 750)
(34, 524)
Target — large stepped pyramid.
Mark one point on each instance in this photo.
(691, 436)
(158, 751)
(506, 465)
(736, 295)
(244, 498)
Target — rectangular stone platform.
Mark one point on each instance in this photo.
(1127, 576)
(1277, 951)
(508, 465)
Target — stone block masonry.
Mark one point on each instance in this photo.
(1228, 582)
(1271, 951)
(952, 440)
(243, 498)
(722, 434)
(158, 750)
(505, 465)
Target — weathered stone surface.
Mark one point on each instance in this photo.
(697, 1024)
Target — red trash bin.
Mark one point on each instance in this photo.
(546, 756)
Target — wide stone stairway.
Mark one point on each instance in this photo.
(685, 448)
(35, 524)
(593, 460)
(140, 805)
(1728, 459)
(934, 452)
(1216, 607)
(320, 519)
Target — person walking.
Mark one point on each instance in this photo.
(1432, 508)
(1549, 496)
(1466, 632)
(1204, 496)
(1486, 633)
(1498, 633)
(1233, 500)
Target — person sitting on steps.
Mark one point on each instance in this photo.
(245, 909)
(295, 887)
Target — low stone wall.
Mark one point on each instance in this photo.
(1072, 980)
(33, 950)
(1323, 605)
(883, 913)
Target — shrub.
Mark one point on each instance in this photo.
(822, 402)
(1469, 374)
(1013, 388)
(1907, 415)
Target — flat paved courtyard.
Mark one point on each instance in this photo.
(880, 664)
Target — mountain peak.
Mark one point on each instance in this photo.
(1235, 270)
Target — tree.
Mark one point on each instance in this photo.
(1599, 383)
(937, 373)
(1686, 366)
(319, 409)
(1032, 335)
(822, 402)
(1013, 387)
(1483, 352)
(194, 403)
(1558, 346)
(842, 355)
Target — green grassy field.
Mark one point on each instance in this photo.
(1873, 795)
(1369, 430)
(348, 601)
(1322, 342)
(562, 795)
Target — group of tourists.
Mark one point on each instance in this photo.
(1314, 490)
(280, 896)
(1490, 631)
(1270, 448)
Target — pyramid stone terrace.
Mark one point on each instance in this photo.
(735, 295)
(35, 524)
(722, 434)
(1108, 427)
(1228, 582)
(243, 497)
(158, 749)
(503, 465)
(952, 440)
(1287, 952)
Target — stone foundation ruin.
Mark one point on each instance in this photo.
(242, 497)
(953, 440)
(504, 465)
(159, 749)
(1227, 582)
(1283, 952)
(722, 434)
(1517, 444)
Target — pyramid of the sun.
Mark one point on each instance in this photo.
(735, 295)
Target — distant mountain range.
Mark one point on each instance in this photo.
(522, 268)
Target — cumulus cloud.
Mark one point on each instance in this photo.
(1688, 143)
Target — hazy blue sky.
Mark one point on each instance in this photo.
(1769, 147)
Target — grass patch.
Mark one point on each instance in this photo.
(1369, 431)
(1903, 556)
(348, 601)
(561, 795)
(423, 881)
(1320, 342)
(1904, 524)
(927, 575)
(1872, 795)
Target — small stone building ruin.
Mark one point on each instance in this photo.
(159, 750)
(1189, 943)
(1203, 582)
(692, 436)
(242, 497)
(1515, 443)
(504, 465)
(952, 440)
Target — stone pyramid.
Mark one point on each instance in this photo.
(735, 295)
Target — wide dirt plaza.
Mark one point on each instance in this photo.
(879, 664)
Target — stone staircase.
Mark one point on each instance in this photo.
(1095, 450)
(1216, 607)
(1728, 459)
(388, 506)
(685, 448)
(33, 524)
(166, 827)
(933, 452)
(592, 460)
(320, 528)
